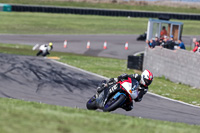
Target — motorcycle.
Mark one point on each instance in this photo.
(44, 50)
(142, 37)
(114, 96)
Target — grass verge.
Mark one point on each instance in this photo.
(22, 117)
(109, 67)
(122, 6)
(47, 23)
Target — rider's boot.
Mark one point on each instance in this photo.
(127, 107)
(100, 87)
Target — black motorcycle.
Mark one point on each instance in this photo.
(114, 95)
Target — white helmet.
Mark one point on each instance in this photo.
(146, 77)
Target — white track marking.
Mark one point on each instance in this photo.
(94, 74)
(173, 100)
(138, 53)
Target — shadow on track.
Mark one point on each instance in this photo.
(33, 78)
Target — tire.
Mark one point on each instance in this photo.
(113, 104)
(91, 104)
(39, 53)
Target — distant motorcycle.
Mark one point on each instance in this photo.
(109, 101)
(142, 37)
(44, 49)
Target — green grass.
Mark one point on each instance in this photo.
(120, 6)
(30, 117)
(46, 23)
(109, 67)
(189, 48)
(175, 91)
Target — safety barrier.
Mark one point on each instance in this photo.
(179, 66)
(104, 12)
(135, 62)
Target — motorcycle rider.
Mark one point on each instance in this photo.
(44, 49)
(145, 79)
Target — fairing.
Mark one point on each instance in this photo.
(131, 87)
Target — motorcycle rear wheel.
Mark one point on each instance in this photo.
(113, 104)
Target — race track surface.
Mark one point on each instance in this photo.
(43, 80)
(77, 43)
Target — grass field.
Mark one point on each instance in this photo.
(30, 117)
(46, 23)
(122, 6)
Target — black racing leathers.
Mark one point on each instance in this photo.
(128, 105)
(141, 91)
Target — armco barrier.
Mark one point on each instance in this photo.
(135, 62)
(88, 11)
(179, 66)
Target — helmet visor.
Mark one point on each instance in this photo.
(147, 82)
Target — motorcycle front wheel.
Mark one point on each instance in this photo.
(91, 104)
(114, 103)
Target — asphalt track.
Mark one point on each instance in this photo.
(77, 43)
(43, 80)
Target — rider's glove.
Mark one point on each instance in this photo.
(140, 88)
(112, 81)
(104, 85)
(101, 88)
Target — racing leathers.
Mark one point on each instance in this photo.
(44, 50)
(197, 47)
(141, 91)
